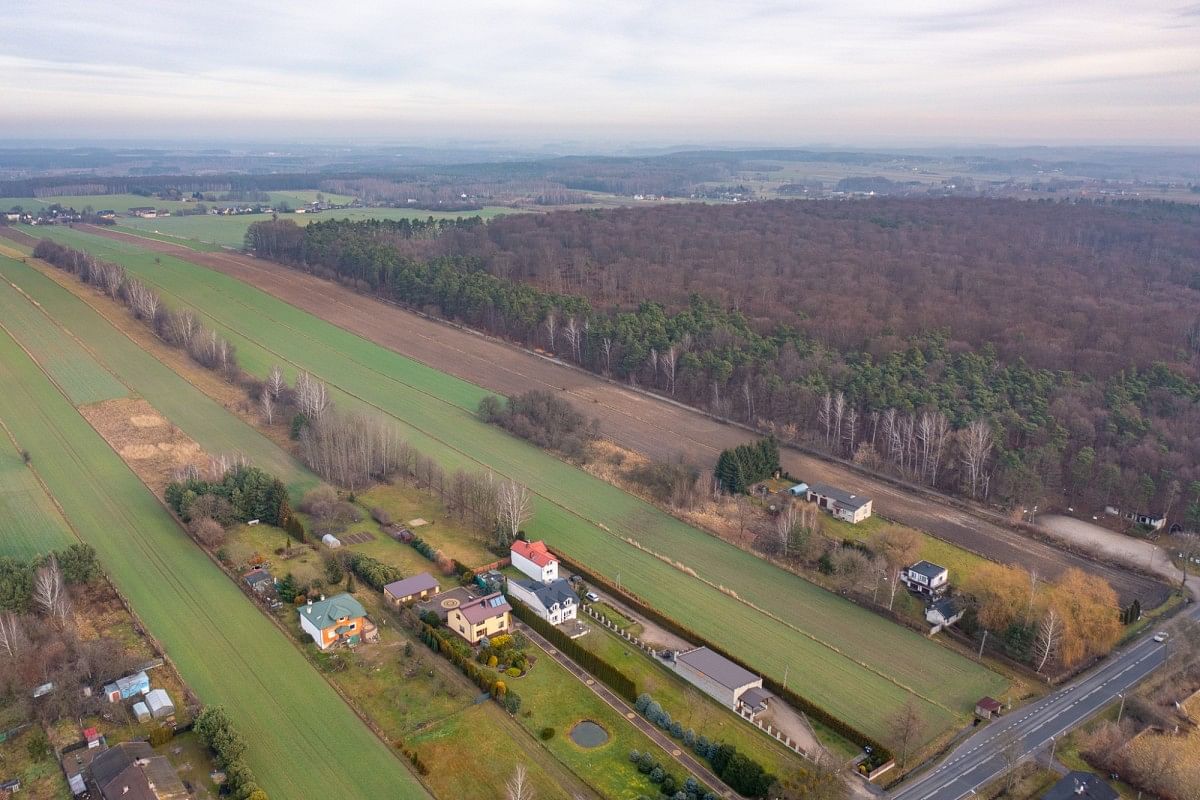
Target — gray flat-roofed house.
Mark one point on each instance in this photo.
(732, 685)
(926, 578)
(841, 504)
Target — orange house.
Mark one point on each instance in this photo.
(339, 619)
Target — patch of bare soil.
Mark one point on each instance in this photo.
(152, 447)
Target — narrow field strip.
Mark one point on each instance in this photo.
(300, 734)
(109, 350)
(30, 524)
(585, 516)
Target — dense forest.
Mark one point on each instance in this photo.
(1019, 352)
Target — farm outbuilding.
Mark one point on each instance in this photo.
(127, 687)
(735, 687)
(142, 712)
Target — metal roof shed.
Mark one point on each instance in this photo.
(160, 704)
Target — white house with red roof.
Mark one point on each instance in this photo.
(534, 560)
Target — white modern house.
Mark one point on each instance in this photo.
(942, 613)
(841, 504)
(554, 602)
(926, 578)
(722, 679)
(533, 559)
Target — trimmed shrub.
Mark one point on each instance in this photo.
(547, 734)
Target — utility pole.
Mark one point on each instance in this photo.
(981, 644)
(786, 667)
(1120, 710)
(1053, 744)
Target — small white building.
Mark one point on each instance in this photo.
(926, 578)
(841, 504)
(942, 613)
(159, 703)
(722, 679)
(555, 602)
(141, 711)
(533, 559)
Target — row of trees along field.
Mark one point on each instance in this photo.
(1009, 351)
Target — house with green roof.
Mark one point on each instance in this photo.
(337, 620)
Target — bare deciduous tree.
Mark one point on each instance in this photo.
(276, 383)
(267, 405)
(12, 635)
(518, 787)
(975, 441)
(50, 592)
(550, 323)
(906, 728)
(1045, 647)
(513, 510)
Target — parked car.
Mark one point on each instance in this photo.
(592, 597)
(1161, 636)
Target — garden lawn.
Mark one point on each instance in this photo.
(300, 735)
(70, 324)
(857, 665)
(688, 705)
(30, 525)
(558, 700)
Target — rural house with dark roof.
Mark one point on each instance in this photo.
(731, 684)
(408, 590)
(926, 578)
(132, 771)
(555, 602)
(841, 504)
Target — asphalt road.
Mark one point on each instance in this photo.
(982, 757)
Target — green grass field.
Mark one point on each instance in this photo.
(854, 663)
(80, 377)
(231, 231)
(30, 525)
(57, 329)
(301, 735)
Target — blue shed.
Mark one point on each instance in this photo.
(799, 490)
(127, 687)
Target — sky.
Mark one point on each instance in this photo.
(750, 71)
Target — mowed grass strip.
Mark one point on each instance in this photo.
(303, 740)
(106, 350)
(854, 663)
(30, 525)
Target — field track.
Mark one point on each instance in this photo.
(300, 734)
(776, 620)
(657, 428)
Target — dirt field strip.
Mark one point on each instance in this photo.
(656, 427)
(152, 447)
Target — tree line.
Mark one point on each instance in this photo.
(181, 329)
(917, 368)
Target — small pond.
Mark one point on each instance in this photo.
(588, 734)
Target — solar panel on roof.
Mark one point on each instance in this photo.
(496, 601)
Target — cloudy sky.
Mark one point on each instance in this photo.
(804, 71)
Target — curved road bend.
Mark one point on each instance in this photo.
(980, 759)
(655, 427)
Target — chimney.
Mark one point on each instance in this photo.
(322, 598)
